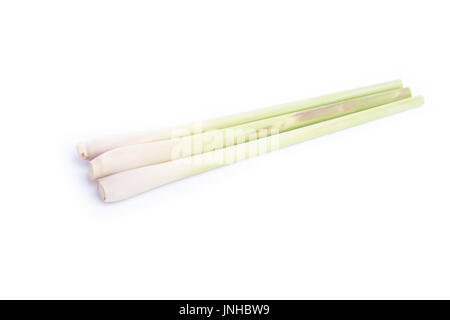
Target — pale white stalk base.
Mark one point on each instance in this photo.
(93, 148)
(130, 183)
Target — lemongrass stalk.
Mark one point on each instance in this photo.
(133, 182)
(91, 149)
(140, 155)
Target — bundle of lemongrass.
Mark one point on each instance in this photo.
(127, 165)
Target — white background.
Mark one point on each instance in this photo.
(363, 213)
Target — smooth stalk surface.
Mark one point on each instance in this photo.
(132, 182)
(93, 148)
(140, 155)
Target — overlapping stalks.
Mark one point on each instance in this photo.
(131, 164)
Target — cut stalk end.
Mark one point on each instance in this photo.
(91, 170)
(101, 191)
(96, 168)
(82, 151)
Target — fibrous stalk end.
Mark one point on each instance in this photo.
(91, 170)
(82, 151)
(101, 191)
